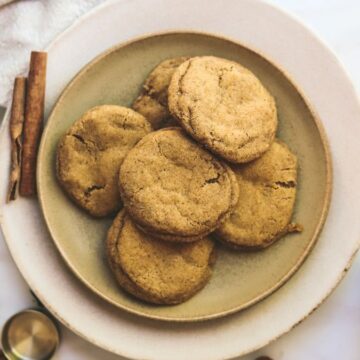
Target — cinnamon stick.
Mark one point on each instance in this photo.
(34, 115)
(16, 131)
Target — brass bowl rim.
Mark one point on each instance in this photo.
(43, 313)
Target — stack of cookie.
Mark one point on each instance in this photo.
(196, 160)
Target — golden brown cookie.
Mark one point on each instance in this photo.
(266, 201)
(174, 189)
(89, 156)
(152, 102)
(223, 106)
(154, 270)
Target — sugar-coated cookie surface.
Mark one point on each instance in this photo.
(223, 106)
(154, 270)
(266, 201)
(153, 102)
(89, 155)
(175, 189)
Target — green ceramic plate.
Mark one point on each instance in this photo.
(240, 279)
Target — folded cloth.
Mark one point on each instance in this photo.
(31, 25)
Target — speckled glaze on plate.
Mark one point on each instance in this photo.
(240, 279)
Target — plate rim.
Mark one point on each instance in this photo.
(41, 168)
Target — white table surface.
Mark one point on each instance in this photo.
(330, 333)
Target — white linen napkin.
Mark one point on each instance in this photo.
(30, 25)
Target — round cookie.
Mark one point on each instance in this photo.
(223, 106)
(174, 189)
(89, 155)
(153, 270)
(266, 201)
(152, 102)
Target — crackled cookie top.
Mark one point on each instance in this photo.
(155, 270)
(266, 201)
(90, 153)
(224, 106)
(174, 188)
(152, 102)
